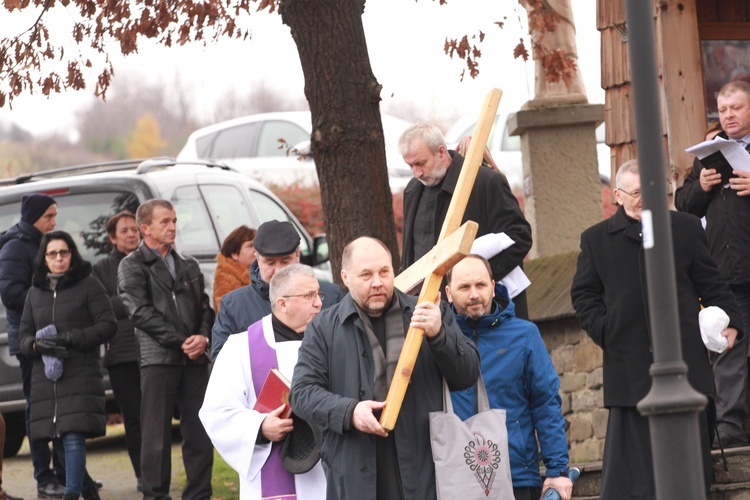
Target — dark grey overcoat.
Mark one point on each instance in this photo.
(611, 301)
(335, 370)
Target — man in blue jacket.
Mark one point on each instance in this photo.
(276, 246)
(519, 377)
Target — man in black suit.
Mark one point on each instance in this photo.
(610, 298)
(726, 208)
(491, 204)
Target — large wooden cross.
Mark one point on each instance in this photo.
(453, 244)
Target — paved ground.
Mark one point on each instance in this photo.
(106, 460)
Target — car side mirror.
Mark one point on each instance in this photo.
(319, 254)
(320, 250)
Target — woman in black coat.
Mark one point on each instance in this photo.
(66, 318)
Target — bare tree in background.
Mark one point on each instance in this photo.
(41, 153)
(104, 126)
(259, 97)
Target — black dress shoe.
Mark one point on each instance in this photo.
(50, 490)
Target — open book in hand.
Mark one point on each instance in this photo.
(274, 393)
(722, 155)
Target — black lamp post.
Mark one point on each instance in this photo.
(671, 405)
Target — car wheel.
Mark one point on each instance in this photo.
(15, 431)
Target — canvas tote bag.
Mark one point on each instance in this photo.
(471, 457)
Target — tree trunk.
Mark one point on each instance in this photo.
(347, 132)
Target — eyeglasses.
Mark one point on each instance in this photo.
(54, 253)
(635, 194)
(308, 295)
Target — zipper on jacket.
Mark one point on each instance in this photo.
(55, 430)
(174, 300)
(475, 338)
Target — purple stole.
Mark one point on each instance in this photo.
(276, 482)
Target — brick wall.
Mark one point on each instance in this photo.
(578, 362)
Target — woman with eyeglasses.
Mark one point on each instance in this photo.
(66, 318)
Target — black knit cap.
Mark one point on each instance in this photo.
(276, 238)
(34, 205)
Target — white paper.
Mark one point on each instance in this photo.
(516, 281)
(733, 151)
(492, 244)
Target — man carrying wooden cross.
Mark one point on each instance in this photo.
(428, 195)
(350, 357)
(346, 363)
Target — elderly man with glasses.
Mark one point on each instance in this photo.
(609, 295)
(249, 440)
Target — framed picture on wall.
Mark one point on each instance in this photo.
(725, 53)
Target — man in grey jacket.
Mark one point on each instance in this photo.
(164, 293)
(346, 364)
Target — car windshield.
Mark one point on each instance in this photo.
(83, 216)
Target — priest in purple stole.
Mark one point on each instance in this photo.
(250, 441)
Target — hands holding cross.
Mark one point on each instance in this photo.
(453, 244)
(427, 317)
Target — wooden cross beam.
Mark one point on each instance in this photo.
(449, 250)
(439, 260)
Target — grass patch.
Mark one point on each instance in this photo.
(224, 480)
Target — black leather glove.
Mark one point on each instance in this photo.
(62, 339)
(48, 347)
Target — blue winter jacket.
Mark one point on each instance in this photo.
(520, 379)
(18, 248)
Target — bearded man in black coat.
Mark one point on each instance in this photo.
(610, 298)
(491, 204)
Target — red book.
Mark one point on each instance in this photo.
(274, 393)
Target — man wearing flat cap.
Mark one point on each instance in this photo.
(252, 442)
(276, 246)
(18, 248)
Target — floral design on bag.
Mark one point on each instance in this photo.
(483, 458)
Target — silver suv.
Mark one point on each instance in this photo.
(210, 200)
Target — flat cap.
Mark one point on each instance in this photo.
(276, 238)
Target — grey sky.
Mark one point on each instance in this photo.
(405, 41)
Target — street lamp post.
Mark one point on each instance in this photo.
(672, 405)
